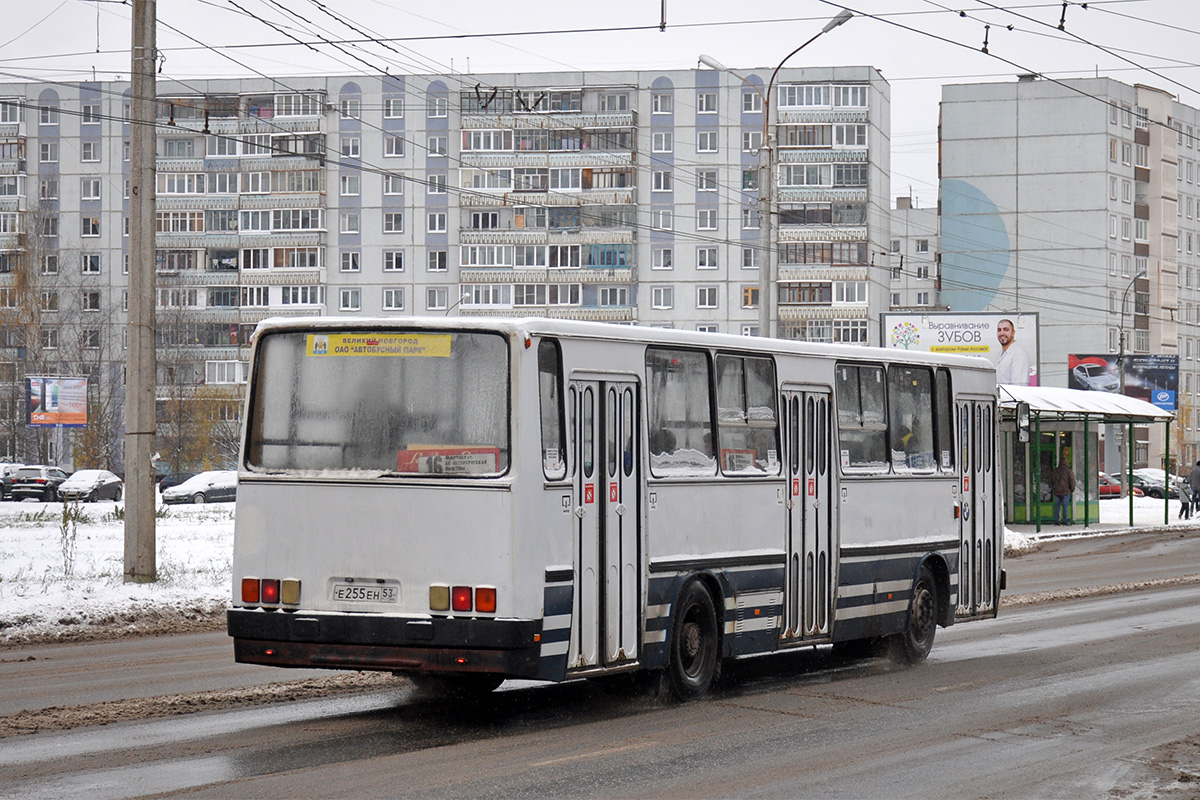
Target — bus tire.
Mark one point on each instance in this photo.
(912, 645)
(695, 643)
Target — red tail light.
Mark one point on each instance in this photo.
(270, 591)
(460, 598)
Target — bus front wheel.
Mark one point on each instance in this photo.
(695, 643)
(912, 645)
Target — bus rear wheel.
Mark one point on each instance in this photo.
(912, 645)
(695, 643)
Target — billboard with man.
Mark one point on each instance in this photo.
(1010, 341)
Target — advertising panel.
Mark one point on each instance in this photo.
(1010, 341)
(1153, 378)
(56, 401)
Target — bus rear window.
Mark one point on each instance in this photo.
(412, 403)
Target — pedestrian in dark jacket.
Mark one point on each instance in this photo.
(1062, 486)
(1185, 500)
(1194, 482)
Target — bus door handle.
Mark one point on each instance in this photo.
(791, 504)
(620, 509)
(580, 511)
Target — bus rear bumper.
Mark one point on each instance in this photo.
(373, 642)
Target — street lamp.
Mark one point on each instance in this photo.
(766, 170)
(1121, 444)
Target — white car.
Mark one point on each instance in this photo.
(215, 486)
(1096, 378)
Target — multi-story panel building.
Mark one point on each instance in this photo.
(614, 196)
(913, 258)
(1076, 199)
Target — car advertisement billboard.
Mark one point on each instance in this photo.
(1010, 341)
(1153, 378)
(56, 401)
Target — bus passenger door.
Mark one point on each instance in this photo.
(607, 544)
(810, 513)
(977, 531)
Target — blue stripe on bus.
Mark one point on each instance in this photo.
(557, 602)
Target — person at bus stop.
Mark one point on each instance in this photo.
(1062, 486)
(1185, 500)
(1194, 482)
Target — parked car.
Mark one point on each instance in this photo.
(1152, 483)
(92, 485)
(37, 481)
(208, 487)
(7, 473)
(173, 479)
(1110, 486)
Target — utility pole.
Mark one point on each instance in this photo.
(140, 367)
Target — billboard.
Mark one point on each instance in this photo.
(1153, 378)
(56, 401)
(1010, 341)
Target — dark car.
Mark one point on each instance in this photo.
(1151, 486)
(91, 485)
(207, 487)
(7, 473)
(37, 481)
(173, 479)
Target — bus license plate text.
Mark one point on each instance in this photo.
(364, 594)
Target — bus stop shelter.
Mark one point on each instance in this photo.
(1065, 423)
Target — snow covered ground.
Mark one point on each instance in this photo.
(62, 580)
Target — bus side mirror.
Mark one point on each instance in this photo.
(1023, 422)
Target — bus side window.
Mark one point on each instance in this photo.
(862, 426)
(554, 457)
(679, 411)
(910, 402)
(943, 420)
(747, 421)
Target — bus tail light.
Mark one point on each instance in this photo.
(270, 590)
(485, 599)
(461, 598)
(439, 597)
(289, 592)
(250, 592)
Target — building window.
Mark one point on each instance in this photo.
(706, 297)
(393, 299)
(922, 298)
(437, 261)
(706, 102)
(436, 222)
(393, 107)
(436, 184)
(393, 222)
(438, 145)
(89, 151)
(750, 219)
(50, 300)
(50, 264)
(350, 109)
(90, 301)
(393, 184)
(751, 103)
(660, 219)
(750, 259)
(393, 146)
(435, 298)
(47, 115)
(662, 142)
(350, 185)
(706, 180)
(49, 338)
(350, 261)
(614, 295)
(350, 300)
(662, 297)
(706, 219)
(661, 103)
(351, 147)
(89, 226)
(662, 258)
(661, 181)
(436, 107)
(89, 263)
(49, 227)
(393, 260)
(749, 297)
(89, 189)
(48, 152)
(350, 222)
(706, 141)
(751, 141)
(706, 258)
(922, 246)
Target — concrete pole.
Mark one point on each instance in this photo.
(140, 366)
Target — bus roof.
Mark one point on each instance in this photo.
(540, 326)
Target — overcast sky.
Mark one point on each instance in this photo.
(919, 45)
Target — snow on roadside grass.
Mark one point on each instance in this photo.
(51, 591)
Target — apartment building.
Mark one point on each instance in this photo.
(913, 258)
(1077, 199)
(626, 197)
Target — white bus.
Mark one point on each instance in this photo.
(468, 500)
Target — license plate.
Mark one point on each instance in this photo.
(364, 593)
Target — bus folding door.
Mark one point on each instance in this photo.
(810, 513)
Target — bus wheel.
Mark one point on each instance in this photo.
(449, 686)
(912, 645)
(694, 643)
